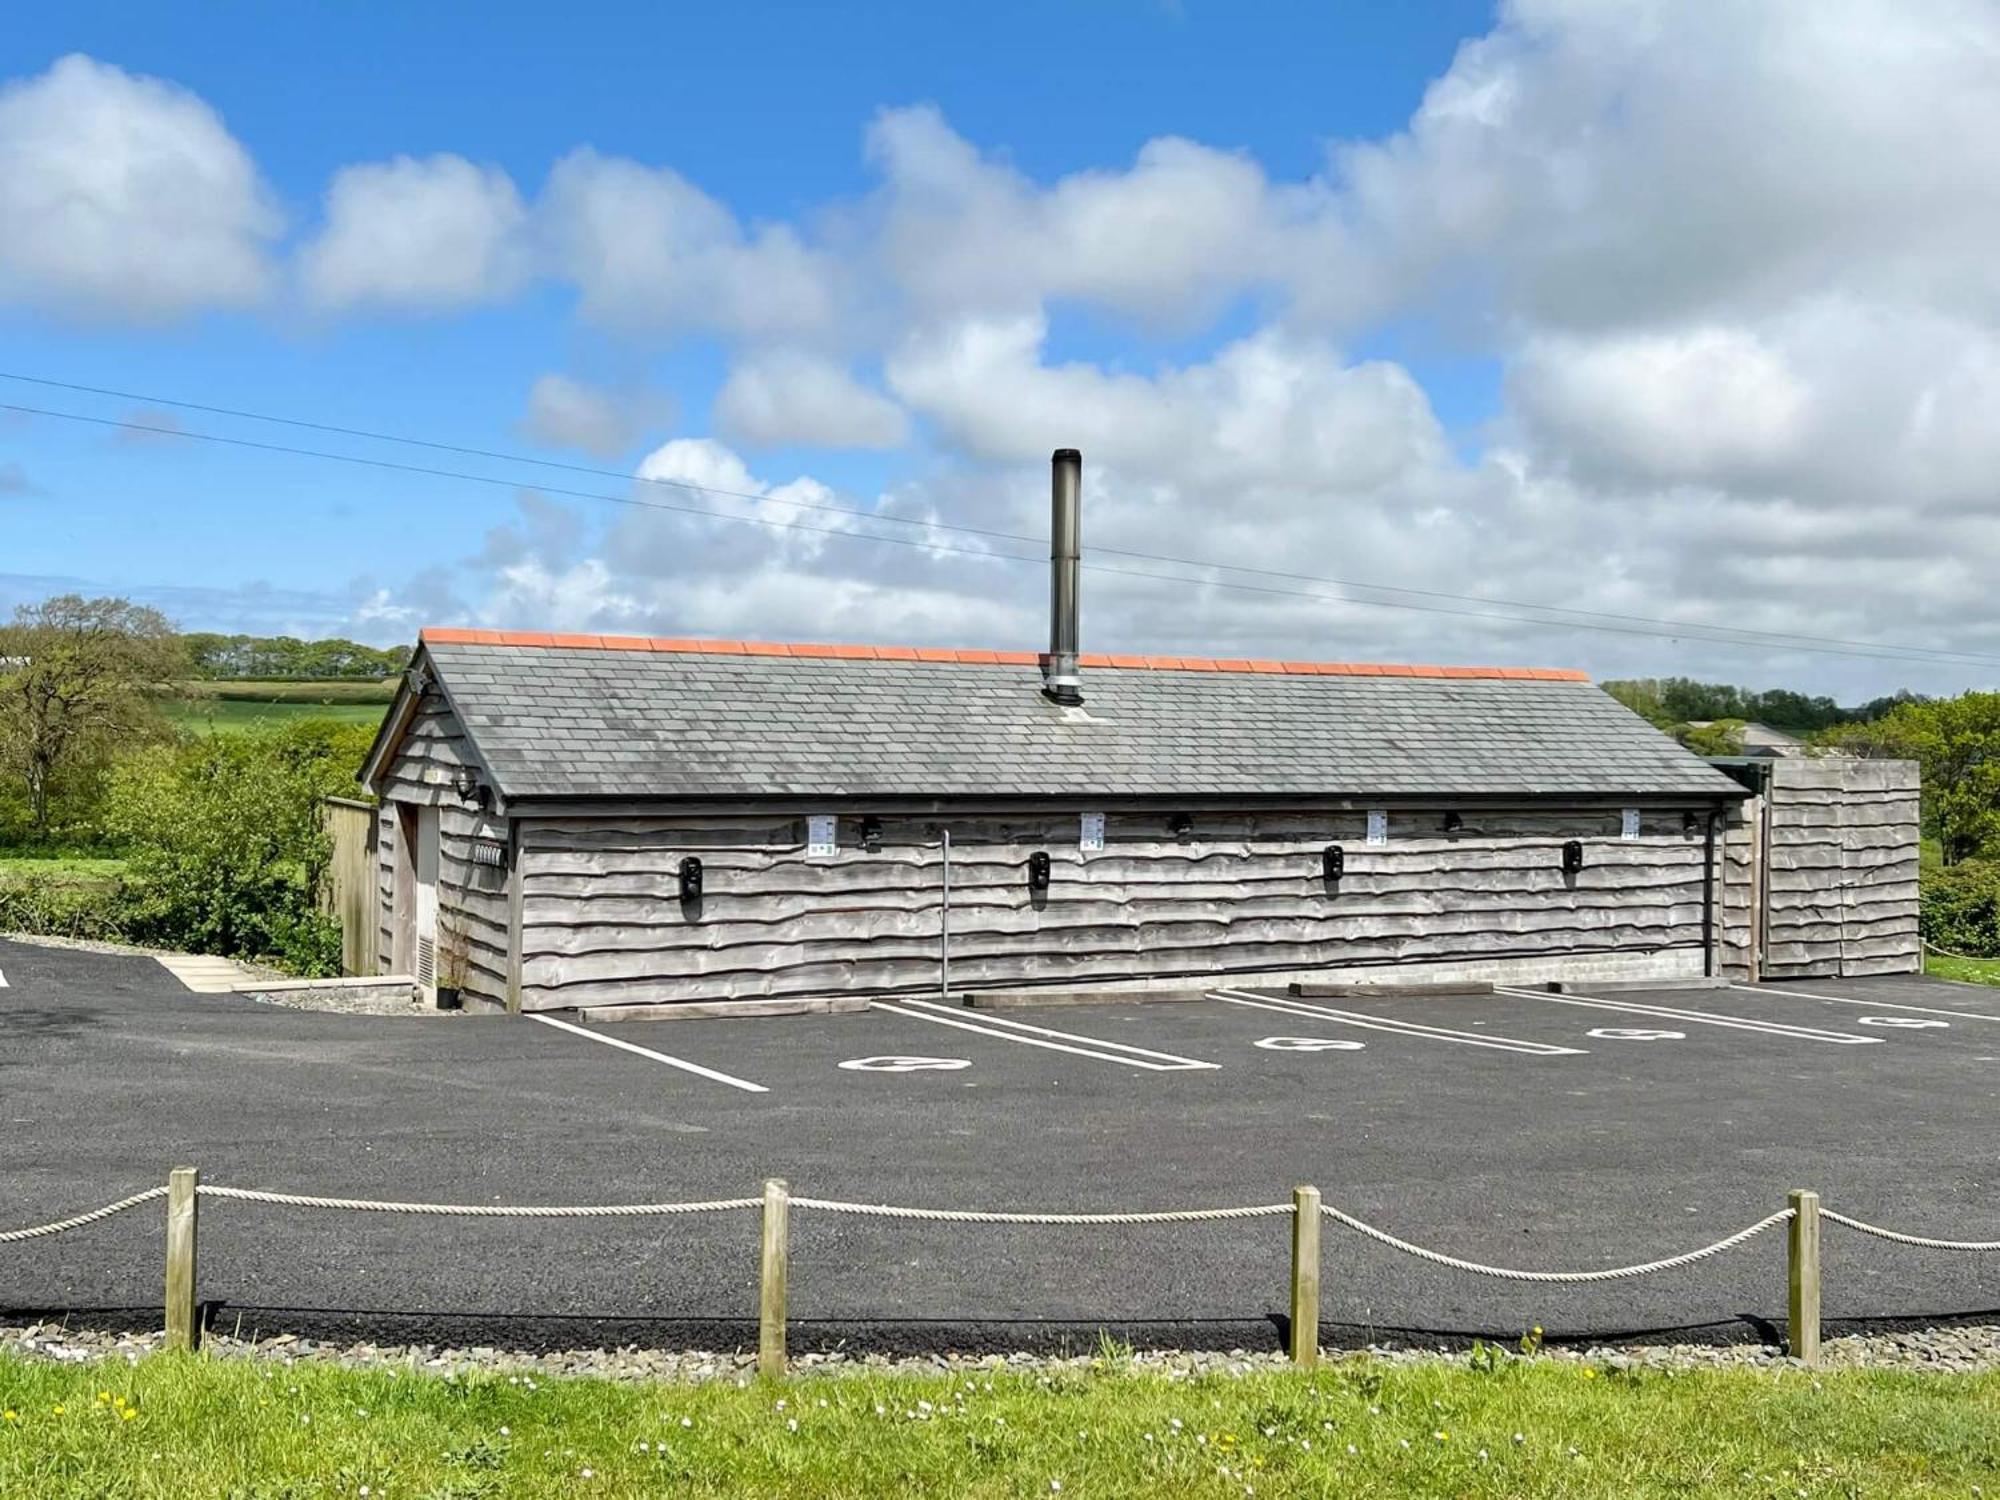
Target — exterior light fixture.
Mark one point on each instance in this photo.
(1332, 863)
(1453, 822)
(1181, 826)
(1573, 857)
(690, 875)
(1689, 823)
(466, 783)
(871, 835)
(1038, 872)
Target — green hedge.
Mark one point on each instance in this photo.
(1960, 912)
(64, 908)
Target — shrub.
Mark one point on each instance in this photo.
(1960, 910)
(226, 844)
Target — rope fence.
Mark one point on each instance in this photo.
(1802, 1217)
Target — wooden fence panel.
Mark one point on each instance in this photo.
(351, 892)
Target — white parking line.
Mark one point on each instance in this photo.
(1399, 1028)
(3, 980)
(1925, 1010)
(1699, 1017)
(659, 1057)
(1036, 1036)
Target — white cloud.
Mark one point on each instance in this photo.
(567, 413)
(429, 235)
(1602, 163)
(789, 396)
(648, 250)
(1170, 240)
(1703, 406)
(1269, 411)
(125, 197)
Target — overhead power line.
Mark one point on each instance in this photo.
(1719, 633)
(1569, 617)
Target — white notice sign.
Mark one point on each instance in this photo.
(1378, 826)
(822, 835)
(1091, 839)
(1628, 827)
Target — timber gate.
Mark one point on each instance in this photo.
(1833, 858)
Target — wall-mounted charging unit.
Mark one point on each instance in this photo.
(690, 873)
(1038, 871)
(1573, 857)
(1332, 863)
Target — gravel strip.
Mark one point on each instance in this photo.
(1935, 1350)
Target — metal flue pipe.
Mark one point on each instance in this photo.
(1062, 680)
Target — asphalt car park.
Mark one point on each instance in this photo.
(1520, 1128)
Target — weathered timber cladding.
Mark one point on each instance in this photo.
(1738, 851)
(1841, 882)
(472, 898)
(603, 923)
(430, 756)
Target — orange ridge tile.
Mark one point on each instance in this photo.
(1116, 661)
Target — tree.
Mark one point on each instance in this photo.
(1957, 743)
(1716, 737)
(76, 677)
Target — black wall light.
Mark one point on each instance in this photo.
(871, 835)
(690, 873)
(1689, 823)
(1453, 822)
(1332, 862)
(1573, 857)
(1038, 871)
(1181, 826)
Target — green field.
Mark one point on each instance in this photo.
(173, 1426)
(251, 707)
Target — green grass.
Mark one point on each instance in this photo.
(259, 707)
(238, 1428)
(67, 869)
(1965, 970)
(232, 716)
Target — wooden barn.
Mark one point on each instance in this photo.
(602, 822)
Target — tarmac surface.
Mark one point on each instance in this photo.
(1520, 1129)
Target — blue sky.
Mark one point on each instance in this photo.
(764, 106)
(1539, 304)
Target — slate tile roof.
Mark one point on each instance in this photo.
(605, 716)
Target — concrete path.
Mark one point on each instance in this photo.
(210, 976)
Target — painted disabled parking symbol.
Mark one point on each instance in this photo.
(1310, 1044)
(906, 1064)
(1637, 1034)
(1908, 1023)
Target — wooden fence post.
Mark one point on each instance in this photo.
(183, 1206)
(775, 1268)
(1305, 1276)
(1802, 1312)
